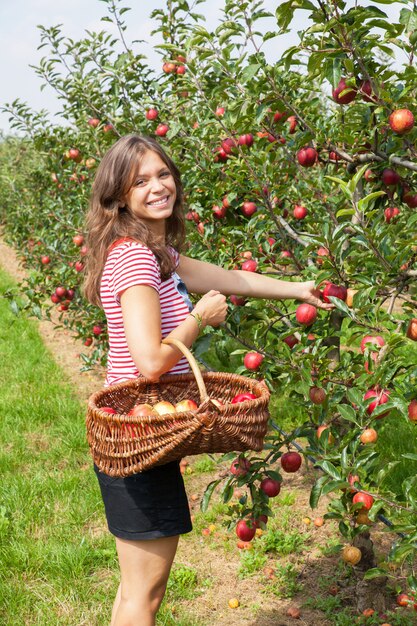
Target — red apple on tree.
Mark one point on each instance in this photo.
(321, 429)
(245, 140)
(291, 462)
(237, 300)
(245, 530)
(240, 466)
(292, 120)
(317, 395)
(45, 260)
(253, 360)
(90, 163)
(219, 212)
(337, 291)
(307, 156)
(321, 252)
(278, 116)
(228, 145)
(390, 177)
(391, 213)
(220, 111)
(375, 340)
(410, 200)
(270, 487)
(364, 498)
(161, 130)
(291, 341)
(412, 329)
(366, 91)
(97, 330)
(371, 340)
(381, 397)
(93, 122)
(299, 212)
(343, 94)
(401, 121)
(369, 176)
(78, 240)
(412, 410)
(61, 292)
(248, 208)
(151, 114)
(306, 314)
(169, 67)
(250, 265)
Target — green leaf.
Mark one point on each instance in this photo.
(316, 491)
(364, 203)
(375, 572)
(383, 473)
(341, 306)
(343, 212)
(249, 72)
(344, 529)
(409, 455)
(14, 307)
(356, 178)
(336, 72)
(348, 413)
(333, 485)
(408, 19)
(330, 469)
(208, 494)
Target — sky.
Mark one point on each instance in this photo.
(20, 38)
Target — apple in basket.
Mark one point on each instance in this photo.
(163, 407)
(186, 405)
(108, 409)
(243, 397)
(139, 410)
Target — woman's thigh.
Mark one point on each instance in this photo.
(145, 565)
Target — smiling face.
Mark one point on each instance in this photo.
(153, 192)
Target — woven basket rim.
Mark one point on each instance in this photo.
(167, 379)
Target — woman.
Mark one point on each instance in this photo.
(134, 269)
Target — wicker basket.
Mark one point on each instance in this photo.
(122, 445)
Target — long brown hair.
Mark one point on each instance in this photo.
(108, 219)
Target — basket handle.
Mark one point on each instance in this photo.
(193, 364)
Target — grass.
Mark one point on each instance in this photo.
(58, 561)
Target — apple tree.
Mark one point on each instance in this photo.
(301, 166)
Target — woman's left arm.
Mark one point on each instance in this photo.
(199, 277)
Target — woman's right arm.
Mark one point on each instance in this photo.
(142, 324)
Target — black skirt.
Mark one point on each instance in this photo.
(149, 505)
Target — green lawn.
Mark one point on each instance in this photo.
(58, 564)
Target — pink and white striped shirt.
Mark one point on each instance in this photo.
(131, 263)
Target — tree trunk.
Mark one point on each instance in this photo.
(370, 594)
